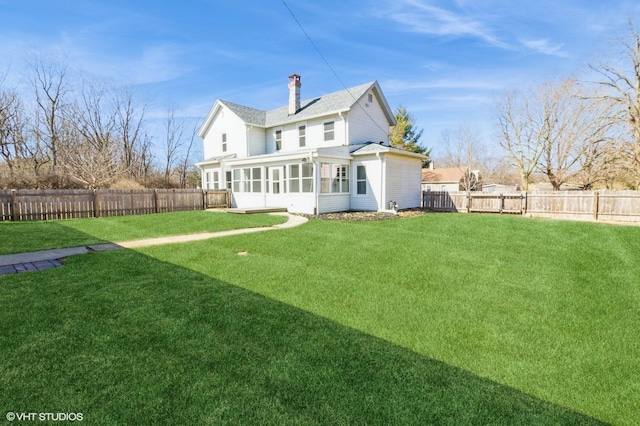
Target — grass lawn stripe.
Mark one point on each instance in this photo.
(18, 237)
(548, 307)
(149, 342)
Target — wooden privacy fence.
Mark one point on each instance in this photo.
(20, 205)
(620, 206)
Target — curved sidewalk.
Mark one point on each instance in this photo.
(47, 259)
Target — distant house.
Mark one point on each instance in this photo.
(450, 179)
(325, 154)
(499, 188)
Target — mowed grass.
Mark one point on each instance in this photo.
(17, 237)
(445, 319)
(551, 308)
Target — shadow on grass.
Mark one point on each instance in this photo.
(127, 339)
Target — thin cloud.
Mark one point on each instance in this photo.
(396, 86)
(545, 47)
(419, 17)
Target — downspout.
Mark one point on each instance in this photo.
(316, 186)
(383, 182)
(247, 138)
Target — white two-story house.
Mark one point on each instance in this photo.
(326, 154)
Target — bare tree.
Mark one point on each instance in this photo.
(498, 169)
(183, 166)
(92, 155)
(12, 129)
(173, 143)
(575, 133)
(130, 128)
(622, 80)
(522, 132)
(49, 81)
(464, 151)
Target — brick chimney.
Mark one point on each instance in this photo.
(294, 93)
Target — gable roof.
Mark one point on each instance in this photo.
(443, 174)
(373, 147)
(332, 103)
(247, 114)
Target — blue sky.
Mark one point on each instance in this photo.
(443, 60)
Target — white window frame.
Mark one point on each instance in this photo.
(223, 141)
(334, 178)
(329, 130)
(216, 181)
(300, 177)
(278, 139)
(302, 135)
(247, 180)
(228, 179)
(361, 180)
(307, 177)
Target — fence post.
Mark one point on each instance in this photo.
(596, 202)
(155, 201)
(501, 197)
(524, 203)
(13, 205)
(204, 199)
(96, 210)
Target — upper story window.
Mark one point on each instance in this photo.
(302, 135)
(278, 140)
(370, 98)
(224, 142)
(329, 133)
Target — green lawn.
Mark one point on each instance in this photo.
(17, 237)
(452, 319)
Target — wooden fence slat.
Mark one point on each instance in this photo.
(17, 205)
(581, 205)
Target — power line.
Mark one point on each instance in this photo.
(328, 64)
(312, 43)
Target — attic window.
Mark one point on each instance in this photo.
(224, 142)
(370, 98)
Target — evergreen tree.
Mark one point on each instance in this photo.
(404, 134)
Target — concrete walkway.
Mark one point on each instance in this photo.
(47, 259)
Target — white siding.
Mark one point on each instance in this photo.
(367, 121)
(227, 122)
(294, 202)
(404, 176)
(256, 141)
(328, 203)
(314, 135)
(370, 201)
(247, 199)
